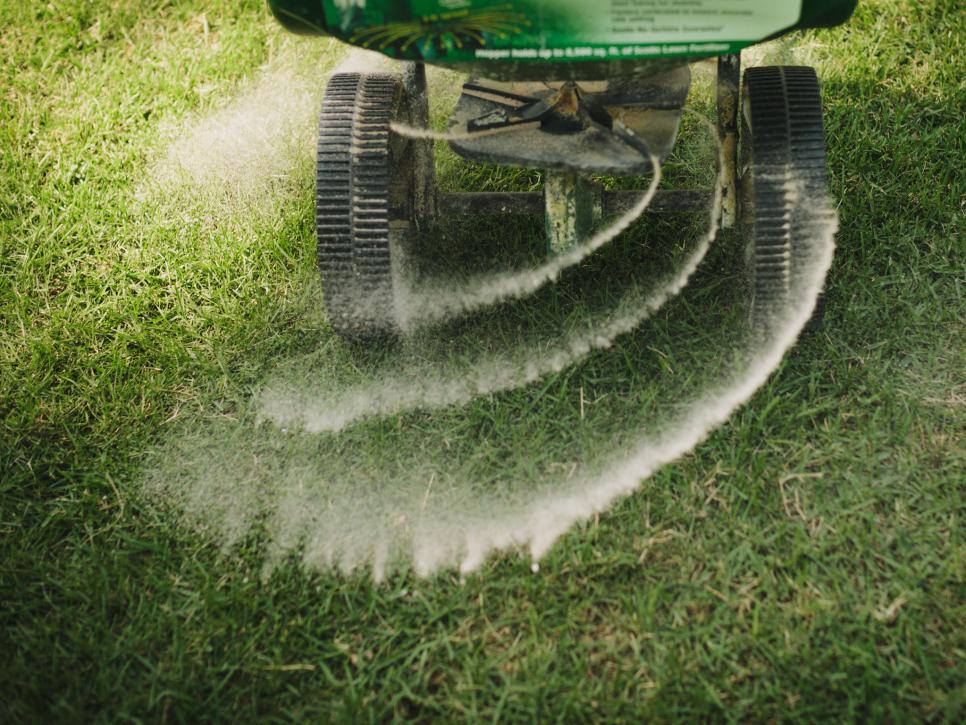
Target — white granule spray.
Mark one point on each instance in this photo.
(405, 469)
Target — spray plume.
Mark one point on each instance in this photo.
(323, 492)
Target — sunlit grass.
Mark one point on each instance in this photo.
(806, 562)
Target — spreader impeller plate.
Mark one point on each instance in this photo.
(531, 134)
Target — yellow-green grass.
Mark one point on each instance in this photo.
(806, 562)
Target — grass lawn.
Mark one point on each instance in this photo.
(807, 561)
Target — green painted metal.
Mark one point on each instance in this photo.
(480, 32)
(572, 205)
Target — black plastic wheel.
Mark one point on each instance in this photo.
(782, 138)
(363, 188)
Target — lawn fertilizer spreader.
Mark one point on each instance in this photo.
(575, 88)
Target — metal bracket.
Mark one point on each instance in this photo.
(424, 205)
(729, 82)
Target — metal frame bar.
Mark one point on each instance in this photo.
(532, 202)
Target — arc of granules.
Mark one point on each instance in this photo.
(550, 517)
(397, 393)
(436, 305)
